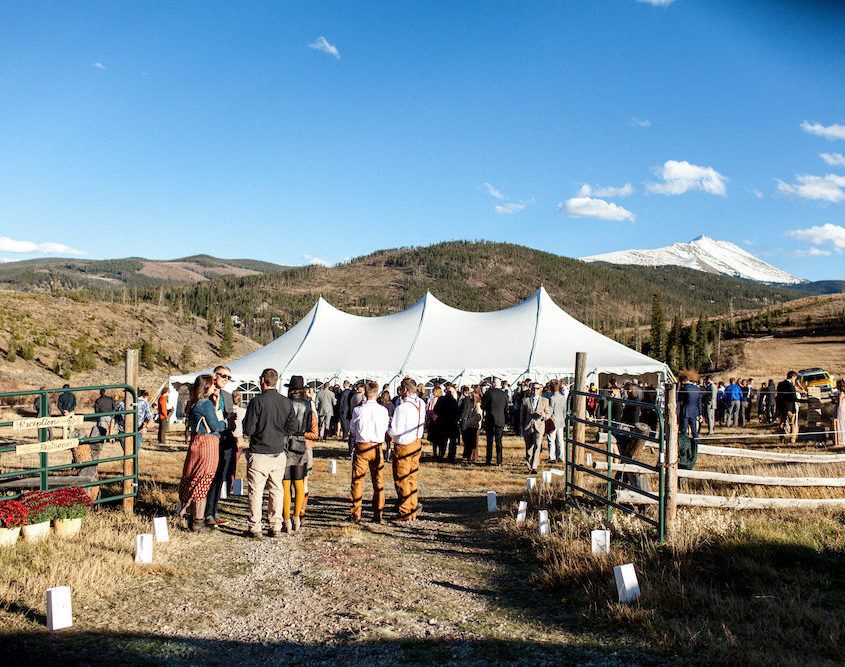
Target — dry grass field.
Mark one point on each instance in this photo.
(460, 585)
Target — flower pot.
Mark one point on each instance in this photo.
(35, 531)
(67, 527)
(8, 536)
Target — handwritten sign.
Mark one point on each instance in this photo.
(48, 446)
(46, 422)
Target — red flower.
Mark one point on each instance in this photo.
(13, 513)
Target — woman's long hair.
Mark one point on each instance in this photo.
(198, 392)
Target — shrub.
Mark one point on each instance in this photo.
(13, 513)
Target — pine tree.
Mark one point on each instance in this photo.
(658, 329)
(227, 346)
(186, 359)
(211, 326)
(673, 344)
(148, 355)
(702, 358)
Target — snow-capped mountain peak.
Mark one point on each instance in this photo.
(703, 254)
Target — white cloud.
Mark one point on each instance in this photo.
(822, 235)
(831, 132)
(507, 209)
(658, 3)
(322, 44)
(587, 207)
(495, 192)
(681, 176)
(317, 261)
(756, 193)
(625, 191)
(833, 159)
(99, 66)
(11, 245)
(812, 252)
(640, 122)
(825, 188)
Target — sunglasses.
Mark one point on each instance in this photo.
(225, 377)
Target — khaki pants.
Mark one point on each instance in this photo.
(788, 424)
(406, 465)
(264, 469)
(367, 454)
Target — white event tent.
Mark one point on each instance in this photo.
(535, 339)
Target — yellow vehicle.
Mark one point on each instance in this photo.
(818, 377)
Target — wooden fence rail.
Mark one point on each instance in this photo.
(732, 478)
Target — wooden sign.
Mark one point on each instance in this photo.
(48, 446)
(46, 422)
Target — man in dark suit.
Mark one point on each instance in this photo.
(447, 413)
(344, 411)
(787, 405)
(689, 406)
(495, 405)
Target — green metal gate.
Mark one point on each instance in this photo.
(24, 476)
(606, 425)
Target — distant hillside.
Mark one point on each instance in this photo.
(55, 273)
(476, 276)
(45, 339)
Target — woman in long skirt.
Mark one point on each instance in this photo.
(203, 427)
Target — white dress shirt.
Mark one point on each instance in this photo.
(369, 422)
(408, 421)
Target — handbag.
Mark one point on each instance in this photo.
(295, 446)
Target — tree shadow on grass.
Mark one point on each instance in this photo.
(69, 647)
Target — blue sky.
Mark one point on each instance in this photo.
(315, 131)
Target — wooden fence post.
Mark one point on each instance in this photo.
(579, 405)
(670, 429)
(129, 442)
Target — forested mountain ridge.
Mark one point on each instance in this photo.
(479, 276)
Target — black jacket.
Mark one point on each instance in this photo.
(268, 422)
(495, 405)
(66, 402)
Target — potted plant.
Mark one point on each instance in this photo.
(71, 505)
(13, 514)
(41, 512)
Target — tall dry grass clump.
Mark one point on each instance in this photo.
(753, 587)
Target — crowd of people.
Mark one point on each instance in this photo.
(277, 433)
